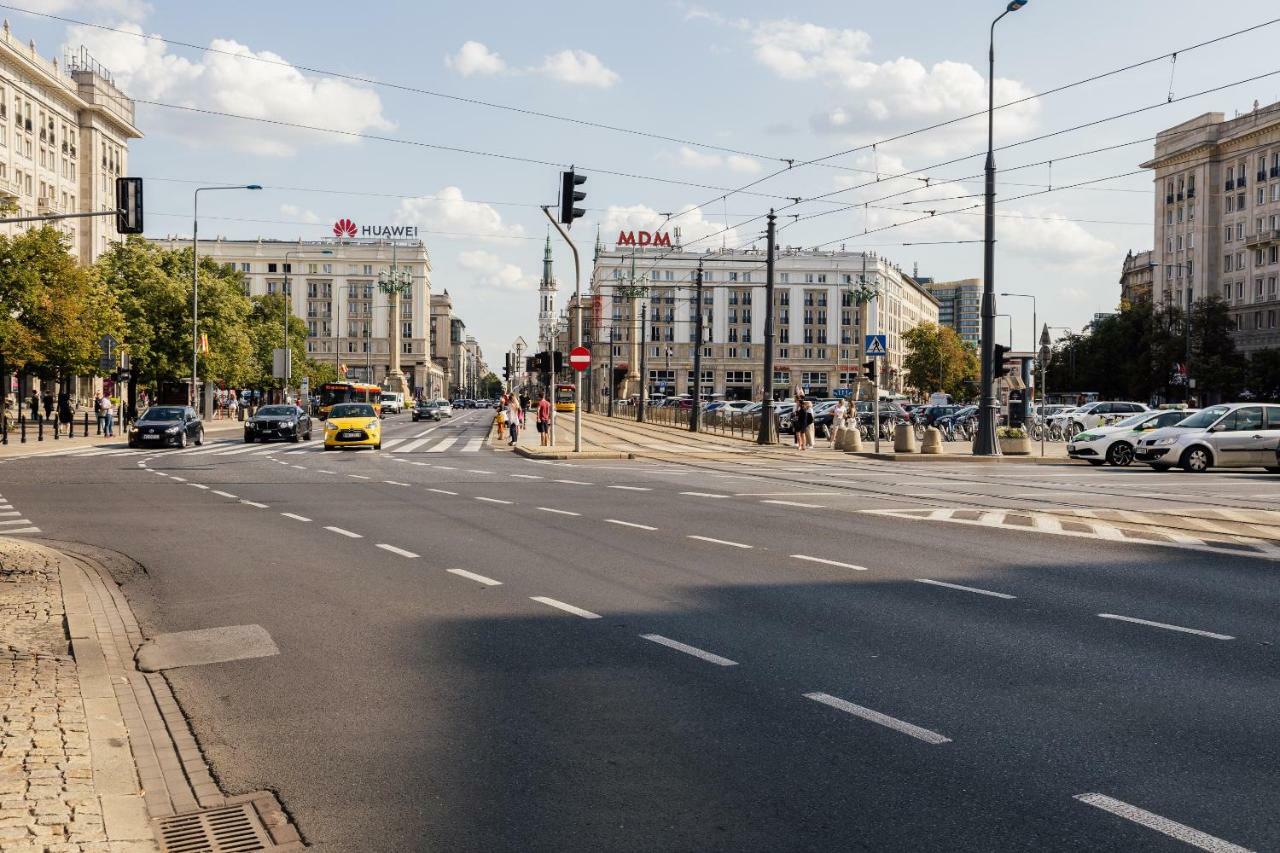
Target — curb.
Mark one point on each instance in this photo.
(961, 457)
(531, 453)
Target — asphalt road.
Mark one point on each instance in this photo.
(481, 652)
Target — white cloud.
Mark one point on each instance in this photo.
(797, 51)
(235, 79)
(474, 58)
(696, 231)
(448, 211)
(745, 165)
(130, 9)
(579, 68)
(1050, 237)
(693, 158)
(493, 273)
(299, 213)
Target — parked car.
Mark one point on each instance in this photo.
(427, 410)
(1115, 444)
(1234, 435)
(1092, 415)
(288, 423)
(167, 425)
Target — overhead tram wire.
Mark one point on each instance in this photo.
(475, 234)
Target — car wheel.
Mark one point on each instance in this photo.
(1120, 454)
(307, 437)
(293, 439)
(248, 438)
(1197, 460)
(378, 446)
(200, 437)
(330, 447)
(182, 438)
(1161, 468)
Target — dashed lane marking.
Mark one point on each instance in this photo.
(254, 504)
(463, 573)
(965, 588)
(793, 503)
(703, 495)
(493, 501)
(400, 551)
(628, 524)
(571, 482)
(567, 608)
(198, 486)
(359, 477)
(559, 511)
(295, 516)
(827, 562)
(443, 492)
(476, 471)
(721, 542)
(223, 494)
(343, 532)
(689, 650)
(885, 720)
(1210, 634)
(394, 483)
(527, 476)
(632, 488)
(1163, 825)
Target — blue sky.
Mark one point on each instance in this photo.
(795, 82)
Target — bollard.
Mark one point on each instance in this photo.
(40, 430)
(837, 437)
(932, 441)
(904, 439)
(852, 441)
(22, 429)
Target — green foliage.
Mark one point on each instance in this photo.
(939, 360)
(490, 386)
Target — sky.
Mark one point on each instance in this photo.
(702, 98)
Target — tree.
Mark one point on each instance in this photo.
(1215, 366)
(490, 386)
(1262, 378)
(938, 360)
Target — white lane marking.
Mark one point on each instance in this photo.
(421, 464)
(721, 542)
(703, 495)
(391, 442)
(342, 532)
(493, 501)
(473, 445)
(632, 488)
(1171, 828)
(567, 608)
(785, 494)
(825, 562)
(295, 516)
(1167, 626)
(527, 476)
(426, 432)
(292, 452)
(7, 514)
(179, 479)
(412, 446)
(394, 483)
(17, 521)
(446, 468)
(254, 503)
(197, 486)
(629, 524)
(444, 445)
(572, 482)
(794, 503)
(876, 717)
(326, 472)
(299, 467)
(965, 588)
(689, 650)
(224, 494)
(463, 573)
(358, 476)
(394, 550)
(247, 449)
(22, 530)
(443, 492)
(559, 511)
(476, 471)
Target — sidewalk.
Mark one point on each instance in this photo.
(96, 756)
(530, 446)
(32, 446)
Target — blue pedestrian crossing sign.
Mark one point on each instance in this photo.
(876, 346)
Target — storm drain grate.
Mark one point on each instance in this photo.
(235, 829)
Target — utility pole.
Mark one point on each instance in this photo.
(695, 414)
(644, 369)
(577, 326)
(767, 433)
(613, 386)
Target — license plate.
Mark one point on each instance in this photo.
(1071, 448)
(150, 437)
(349, 434)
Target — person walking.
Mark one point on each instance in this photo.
(544, 420)
(64, 410)
(513, 420)
(802, 424)
(500, 417)
(99, 414)
(35, 406)
(47, 400)
(107, 408)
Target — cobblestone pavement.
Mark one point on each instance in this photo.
(47, 798)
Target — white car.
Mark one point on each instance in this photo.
(1095, 414)
(446, 408)
(1115, 444)
(1236, 435)
(392, 402)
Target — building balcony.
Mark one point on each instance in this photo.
(1262, 238)
(1230, 185)
(1191, 193)
(1240, 182)
(1262, 176)
(1275, 171)
(9, 189)
(48, 206)
(1168, 199)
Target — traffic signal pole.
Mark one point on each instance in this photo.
(767, 433)
(577, 328)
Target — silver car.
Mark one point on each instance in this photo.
(1235, 435)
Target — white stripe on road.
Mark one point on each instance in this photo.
(412, 446)
(444, 445)
(394, 550)
(197, 486)
(558, 511)
(445, 467)
(443, 492)
(224, 494)
(527, 476)
(295, 516)
(299, 467)
(721, 542)
(179, 479)
(825, 562)
(358, 476)
(689, 650)
(965, 588)
(22, 530)
(7, 514)
(463, 573)
(391, 442)
(632, 488)
(17, 521)
(629, 524)
(567, 608)
(881, 719)
(794, 503)
(494, 501)
(572, 482)
(473, 445)
(254, 503)
(1171, 828)
(346, 533)
(476, 471)
(1167, 626)
(394, 483)
(703, 495)
(425, 432)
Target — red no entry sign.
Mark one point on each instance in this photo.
(579, 358)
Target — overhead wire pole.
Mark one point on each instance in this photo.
(766, 433)
(577, 328)
(695, 414)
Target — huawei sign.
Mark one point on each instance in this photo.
(344, 228)
(347, 228)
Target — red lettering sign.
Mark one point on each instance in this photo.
(644, 238)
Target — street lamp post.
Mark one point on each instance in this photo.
(195, 279)
(985, 442)
(288, 312)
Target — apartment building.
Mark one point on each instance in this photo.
(1137, 277)
(959, 306)
(1217, 218)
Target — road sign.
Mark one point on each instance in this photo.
(876, 346)
(579, 358)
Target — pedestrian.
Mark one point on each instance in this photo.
(47, 400)
(544, 419)
(35, 406)
(99, 414)
(108, 414)
(64, 409)
(837, 420)
(813, 425)
(801, 424)
(513, 420)
(500, 418)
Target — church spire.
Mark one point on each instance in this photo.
(546, 260)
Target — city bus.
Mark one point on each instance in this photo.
(565, 399)
(347, 392)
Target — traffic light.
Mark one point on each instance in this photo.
(997, 359)
(530, 364)
(870, 369)
(129, 205)
(557, 361)
(506, 368)
(569, 196)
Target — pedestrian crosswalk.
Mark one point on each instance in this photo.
(12, 522)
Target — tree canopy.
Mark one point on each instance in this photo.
(938, 359)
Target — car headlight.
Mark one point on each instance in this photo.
(330, 426)
(289, 424)
(1086, 436)
(1164, 442)
(371, 425)
(173, 430)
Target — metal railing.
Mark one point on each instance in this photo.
(733, 425)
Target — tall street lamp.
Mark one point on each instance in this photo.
(288, 311)
(984, 443)
(195, 280)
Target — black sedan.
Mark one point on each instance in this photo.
(162, 426)
(288, 423)
(428, 410)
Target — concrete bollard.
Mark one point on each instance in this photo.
(932, 441)
(837, 437)
(852, 442)
(904, 439)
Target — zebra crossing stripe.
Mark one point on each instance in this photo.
(473, 445)
(413, 445)
(444, 445)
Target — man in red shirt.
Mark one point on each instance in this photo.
(544, 420)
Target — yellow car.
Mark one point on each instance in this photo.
(353, 425)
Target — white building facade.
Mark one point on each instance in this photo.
(333, 286)
(820, 328)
